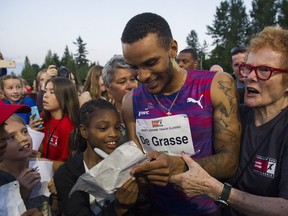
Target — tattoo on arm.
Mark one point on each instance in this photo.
(227, 131)
(227, 109)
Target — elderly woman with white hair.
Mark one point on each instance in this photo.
(260, 186)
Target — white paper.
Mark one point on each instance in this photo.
(11, 203)
(37, 138)
(111, 173)
(45, 168)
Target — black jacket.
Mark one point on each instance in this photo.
(64, 179)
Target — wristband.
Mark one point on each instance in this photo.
(224, 196)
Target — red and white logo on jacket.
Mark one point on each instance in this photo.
(265, 166)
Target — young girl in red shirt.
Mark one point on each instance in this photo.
(60, 107)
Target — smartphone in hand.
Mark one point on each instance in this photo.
(34, 110)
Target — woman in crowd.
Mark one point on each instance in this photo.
(75, 80)
(93, 86)
(119, 79)
(260, 186)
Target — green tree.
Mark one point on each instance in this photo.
(263, 13)
(81, 61)
(219, 28)
(230, 28)
(50, 59)
(80, 56)
(67, 60)
(239, 27)
(283, 13)
(28, 73)
(192, 41)
(55, 59)
(201, 50)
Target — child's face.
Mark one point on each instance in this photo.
(12, 89)
(104, 131)
(19, 142)
(50, 102)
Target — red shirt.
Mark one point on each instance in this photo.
(57, 133)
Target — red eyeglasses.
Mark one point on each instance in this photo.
(262, 72)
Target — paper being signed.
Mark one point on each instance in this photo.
(111, 173)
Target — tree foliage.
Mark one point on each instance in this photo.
(233, 26)
(28, 73)
(80, 56)
(230, 28)
(192, 41)
(67, 60)
(283, 13)
(51, 59)
(81, 60)
(201, 50)
(263, 13)
(219, 29)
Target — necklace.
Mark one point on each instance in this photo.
(173, 102)
(167, 109)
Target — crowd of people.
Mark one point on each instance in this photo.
(216, 144)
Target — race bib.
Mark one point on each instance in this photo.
(169, 134)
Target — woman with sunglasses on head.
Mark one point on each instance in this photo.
(260, 186)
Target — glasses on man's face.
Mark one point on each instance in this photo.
(262, 72)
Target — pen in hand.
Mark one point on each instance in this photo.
(35, 169)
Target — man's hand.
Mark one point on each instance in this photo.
(159, 168)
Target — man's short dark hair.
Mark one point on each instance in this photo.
(139, 26)
(192, 52)
(239, 49)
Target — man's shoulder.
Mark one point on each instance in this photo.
(223, 80)
(200, 75)
(140, 91)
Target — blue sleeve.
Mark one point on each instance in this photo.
(28, 101)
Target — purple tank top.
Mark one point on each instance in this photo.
(194, 100)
